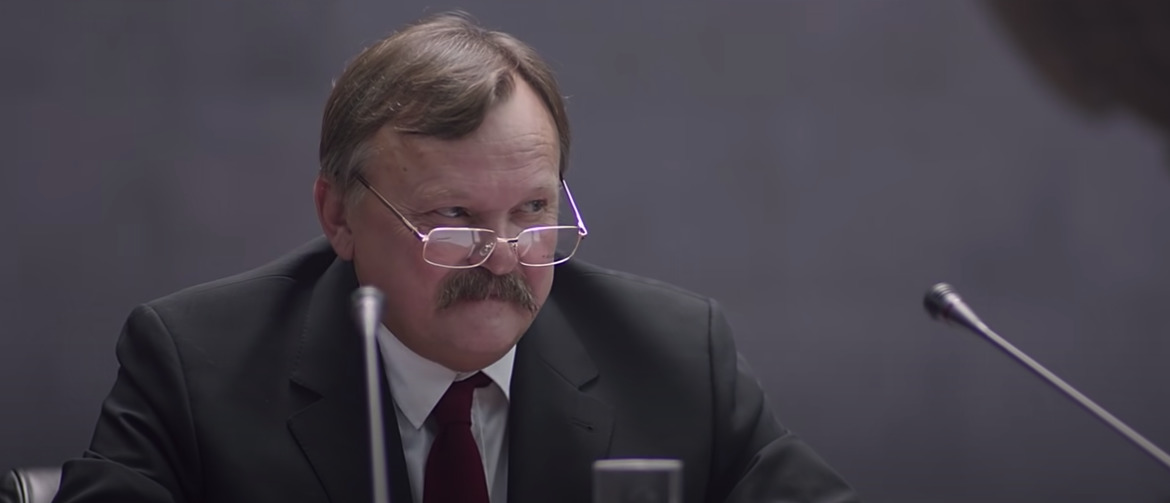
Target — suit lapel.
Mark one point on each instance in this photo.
(556, 430)
(329, 420)
(553, 421)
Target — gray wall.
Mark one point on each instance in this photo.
(815, 165)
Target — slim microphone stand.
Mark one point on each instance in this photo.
(367, 302)
(942, 302)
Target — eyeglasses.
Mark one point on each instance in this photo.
(469, 247)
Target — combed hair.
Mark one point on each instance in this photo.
(438, 77)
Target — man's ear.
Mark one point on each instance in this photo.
(334, 217)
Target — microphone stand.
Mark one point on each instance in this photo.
(943, 303)
(367, 304)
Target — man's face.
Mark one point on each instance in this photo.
(502, 177)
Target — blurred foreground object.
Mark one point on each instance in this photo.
(1101, 55)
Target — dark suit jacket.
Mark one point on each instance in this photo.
(250, 389)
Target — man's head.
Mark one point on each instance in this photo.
(447, 125)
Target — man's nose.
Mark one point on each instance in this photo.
(502, 259)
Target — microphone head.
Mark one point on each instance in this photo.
(367, 308)
(367, 293)
(937, 302)
(943, 303)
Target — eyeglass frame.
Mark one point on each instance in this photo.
(582, 231)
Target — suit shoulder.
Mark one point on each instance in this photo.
(654, 327)
(578, 276)
(301, 265)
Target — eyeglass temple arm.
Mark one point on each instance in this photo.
(419, 235)
(576, 213)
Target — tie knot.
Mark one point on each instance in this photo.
(455, 406)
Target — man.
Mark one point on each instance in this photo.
(443, 156)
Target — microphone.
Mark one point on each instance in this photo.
(943, 303)
(367, 311)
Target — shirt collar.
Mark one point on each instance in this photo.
(417, 383)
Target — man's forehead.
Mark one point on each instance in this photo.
(454, 188)
(418, 149)
(476, 149)
(448, 175)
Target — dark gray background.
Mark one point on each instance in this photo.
(815, 165)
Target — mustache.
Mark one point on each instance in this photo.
(481, 284)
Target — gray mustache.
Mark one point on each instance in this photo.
(481, 284)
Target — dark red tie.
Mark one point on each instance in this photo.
(454, 472)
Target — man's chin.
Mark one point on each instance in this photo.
(489, 320)
(484, 342)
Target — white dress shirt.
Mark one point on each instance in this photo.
(417, 385)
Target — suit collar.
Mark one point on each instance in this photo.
(329, 341)
(552, 414)
(328, 416)
(555, 342)
(418, 383)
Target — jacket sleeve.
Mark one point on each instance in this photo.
(144, 446)
(756, 459)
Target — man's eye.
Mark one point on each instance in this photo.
(452, 212)
(535, 206)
